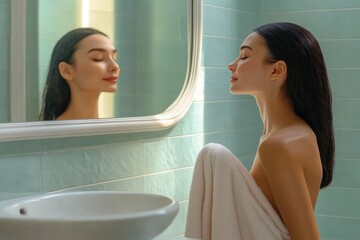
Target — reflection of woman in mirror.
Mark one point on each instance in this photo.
(82, 66)
(282, 66)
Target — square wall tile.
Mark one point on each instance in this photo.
(20, 174)
(346, 173)
(347, 143)
(346, 58)
(88, 166)
(345, 83)
(338, 228)
(341, 202)
(235, 114)
(219, 21)
(171, 153)
(219, 52)
(22, 148)
(5, 18)
(4, 52)
(174, 183)
(346, 114)
(63, 4)
(325, 25)
(74, 143)
(50, 28)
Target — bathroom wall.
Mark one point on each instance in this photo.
(158, 162)
(162, 162)
(334, 23)
(4, 59)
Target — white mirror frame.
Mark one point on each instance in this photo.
(71, 128)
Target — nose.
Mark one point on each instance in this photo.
(114, 66)
(232, 66)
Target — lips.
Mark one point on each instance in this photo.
(233, 79)
(111, 79)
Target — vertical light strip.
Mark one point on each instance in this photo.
(85, 13)
(107, 102)
(18, 61)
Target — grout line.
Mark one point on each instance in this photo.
(183, 201)
(339, 217)
(222, 37)
(125, 178)
(337, 39)
(92, 147)
(335, 68)
(221, 68)
(309, 11)
(346, 98)
(227, 100)
(230, 9)
(347, 129)
(343, 188)
(41, 155)
(204, 134)
(347, 159)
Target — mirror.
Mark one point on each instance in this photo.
(152, 42)
(127, 119)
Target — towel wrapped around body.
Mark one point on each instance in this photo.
(225, 202)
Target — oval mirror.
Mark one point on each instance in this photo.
(159, 45)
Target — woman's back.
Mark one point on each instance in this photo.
(288, 170)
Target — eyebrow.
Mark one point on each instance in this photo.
(245, 46)
(100, 50)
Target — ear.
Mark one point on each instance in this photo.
(66, 71)
(279, 72)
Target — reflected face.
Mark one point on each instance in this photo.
(94, 68)
(250, 71)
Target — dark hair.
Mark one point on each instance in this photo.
(306, 85)
(56, 95)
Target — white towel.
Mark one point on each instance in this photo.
(226, 203)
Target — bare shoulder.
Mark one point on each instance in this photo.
(295, 145)
(291, 164)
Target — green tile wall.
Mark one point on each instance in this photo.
(4, 60)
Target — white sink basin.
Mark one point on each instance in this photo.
(86, 215)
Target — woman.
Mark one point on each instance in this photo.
(282, 66)
(83, 65)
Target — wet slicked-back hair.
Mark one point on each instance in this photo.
(56, 95)
(306, 85)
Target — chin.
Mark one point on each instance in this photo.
(111, 90)
(239, 92)
(235, 91)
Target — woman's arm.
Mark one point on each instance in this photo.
(283, 164)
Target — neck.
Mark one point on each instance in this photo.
(83, 106)
(276, 112)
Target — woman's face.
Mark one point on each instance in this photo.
(94, 67)
(250, 71)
